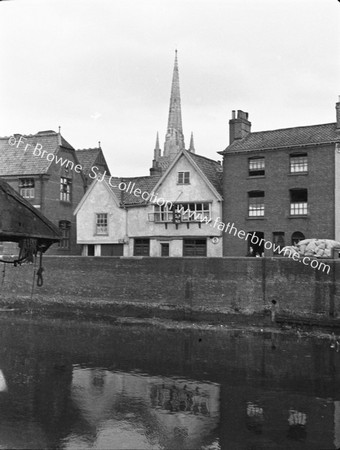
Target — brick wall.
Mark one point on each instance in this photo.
(276, 184)
(222, 284)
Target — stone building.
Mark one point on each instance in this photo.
(282, 185)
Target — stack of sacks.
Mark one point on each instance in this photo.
(318, 248)
(290, 250)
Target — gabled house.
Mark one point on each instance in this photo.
(167, 215)
(283, 185)
(45, 170)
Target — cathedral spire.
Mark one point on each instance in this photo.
(174, 139)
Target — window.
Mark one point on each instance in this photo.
(193, 212)
(183, 178)
(298, 163)
(101, 224)
(183, 212)
(65, 228)
(256, 204)
(163, 213)
(256, 166)
(298, 202)
(297, 236)
(142, 247)
(164, 249)
(278, 241)
(65, 189)
(26, 187)
(194, 247)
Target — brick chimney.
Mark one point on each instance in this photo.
(239, 127)
(337, 107)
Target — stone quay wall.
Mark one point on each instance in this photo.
(223, 285)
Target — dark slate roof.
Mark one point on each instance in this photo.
(15, 161)
(87, 158)
(286, 137)
(211, 169)
(126, 197)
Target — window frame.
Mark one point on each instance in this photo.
(253, 172)
(27, 188)
(162, 214)
(183, 177)
(256, 207)
(298, 208)
(139, 247)
(296, 164)
(65, 189)
(105, 230)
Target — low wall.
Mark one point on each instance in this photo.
(248, 285)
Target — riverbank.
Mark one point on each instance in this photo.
(164, 315)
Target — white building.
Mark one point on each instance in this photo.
(137, 216)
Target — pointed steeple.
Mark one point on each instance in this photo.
(192, 146)
(174, 139)
(157, 151)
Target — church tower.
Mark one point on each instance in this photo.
(174, 138)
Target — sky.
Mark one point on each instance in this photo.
(102, 70)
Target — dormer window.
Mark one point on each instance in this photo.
(183, 178)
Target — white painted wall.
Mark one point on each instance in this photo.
(134, 222)
(101, 200)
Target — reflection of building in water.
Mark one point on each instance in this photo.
(255, 417)
(180, 398)
(144, 411)
(297, 425)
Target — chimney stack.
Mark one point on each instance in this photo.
(337, 107)
(239, 126)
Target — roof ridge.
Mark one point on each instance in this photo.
(290, 128)
(87, 149)
(203, 157)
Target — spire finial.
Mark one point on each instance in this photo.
(59, 129)
(174, 140)
(99, 144)
(157, 142)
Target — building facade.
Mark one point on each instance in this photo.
(160, 214)
(45, 169)
(175, 220)
(282, 185)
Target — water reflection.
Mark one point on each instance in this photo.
(80, 385)
(128, 410)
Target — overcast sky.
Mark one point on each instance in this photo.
(102, 69)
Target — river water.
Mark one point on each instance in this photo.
(67, 384)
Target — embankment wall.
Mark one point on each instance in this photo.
(231, 284)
